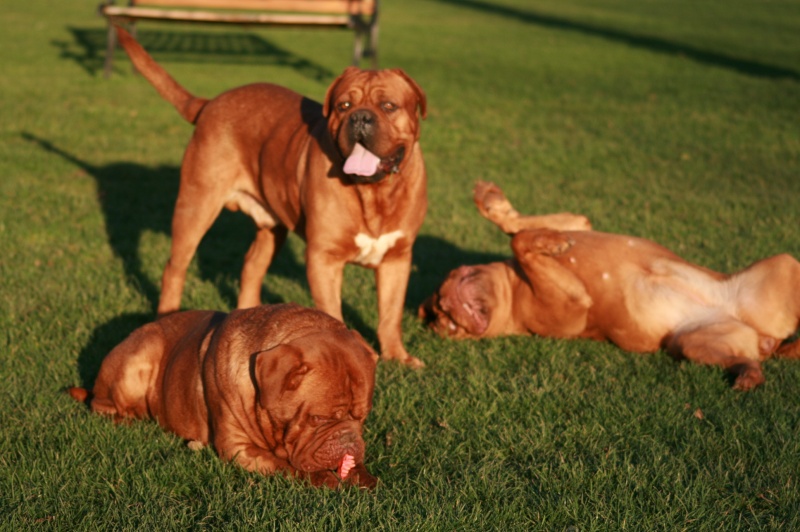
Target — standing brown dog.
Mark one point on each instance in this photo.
(276, 388)
(347, 176)
(568, 281)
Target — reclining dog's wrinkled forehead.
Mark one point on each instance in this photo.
(336, 369)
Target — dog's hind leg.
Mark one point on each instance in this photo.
(768, 299)
(727, 343)
(195, 212)
(263, 249)
(789, 350)
(124, 385)
(495, 207)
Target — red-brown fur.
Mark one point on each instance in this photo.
(276, 388)
(567, 281)
(278, 157)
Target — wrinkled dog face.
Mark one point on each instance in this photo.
(461, 308)
(372, 117)
(317, 392)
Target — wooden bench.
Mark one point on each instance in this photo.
(360, 16)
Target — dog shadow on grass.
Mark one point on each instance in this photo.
(423, 282)
(88, 49)
(137, 199)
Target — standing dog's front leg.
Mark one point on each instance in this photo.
(391, 278)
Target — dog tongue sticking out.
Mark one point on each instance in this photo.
(361, 162)
(348, 462)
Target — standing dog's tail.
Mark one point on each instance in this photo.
(188, 105)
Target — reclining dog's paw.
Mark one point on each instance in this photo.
(557, 246)
(749, 376)
(579, 222)
(359, 476)
(542, 241)
(490, 200)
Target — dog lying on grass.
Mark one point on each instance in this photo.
(568, 281)
(278, 389)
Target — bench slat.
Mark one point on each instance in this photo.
(353, 7)
(143, 13)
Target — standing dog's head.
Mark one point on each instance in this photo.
(316, 391)
(373, 120)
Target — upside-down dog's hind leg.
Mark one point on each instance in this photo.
(727, 343)
(769, 300)
(495, 207)
(789, 350)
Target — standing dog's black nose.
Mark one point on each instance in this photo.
(362, 124)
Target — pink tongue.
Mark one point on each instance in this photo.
(361, 162)
(348, 462)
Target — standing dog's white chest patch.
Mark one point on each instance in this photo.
(371, 250)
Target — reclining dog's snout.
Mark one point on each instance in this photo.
(362, 124)
(347, 438)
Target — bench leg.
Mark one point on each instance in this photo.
(358, 48)
(373, 42)
(111, 44)
(366, 44)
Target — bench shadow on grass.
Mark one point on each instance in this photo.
(651, 43)
(138, 199)
(88, 49)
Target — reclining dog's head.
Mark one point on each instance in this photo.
(466, 304)
(316, 392)
(372, 119)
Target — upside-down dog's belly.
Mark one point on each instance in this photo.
(669, 295)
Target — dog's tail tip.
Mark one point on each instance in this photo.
(82, 395)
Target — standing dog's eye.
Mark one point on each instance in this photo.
(343, 106)
(389, 107)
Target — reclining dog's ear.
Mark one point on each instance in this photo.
(425, 310)
(277, 371)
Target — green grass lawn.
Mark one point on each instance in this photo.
(673, 120)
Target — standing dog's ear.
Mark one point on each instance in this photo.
(276, 372)
(422, 100)
(328, 104)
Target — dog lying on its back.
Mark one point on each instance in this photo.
(568, 281)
